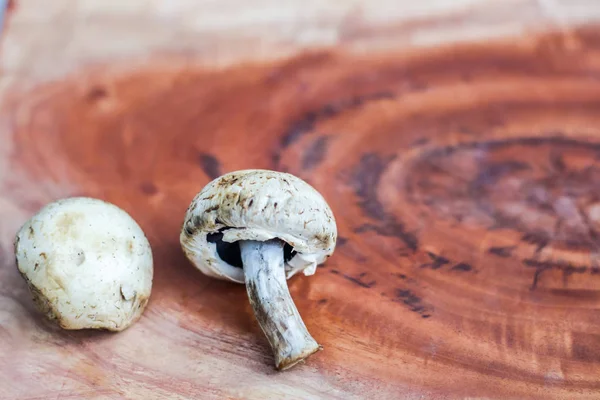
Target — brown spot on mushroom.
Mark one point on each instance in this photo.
(67, 222)
(323, 239)
(227, 181)
(213, 208)
(142, 302)
(189, 229)
(308, 222)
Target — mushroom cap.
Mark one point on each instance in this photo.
(88, 264)
(258, 204)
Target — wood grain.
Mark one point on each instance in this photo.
(464, 178)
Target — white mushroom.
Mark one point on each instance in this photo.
(260, 227)
(88, 264)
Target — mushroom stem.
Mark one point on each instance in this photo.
(273, 307)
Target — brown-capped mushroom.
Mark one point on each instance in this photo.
(261, 227)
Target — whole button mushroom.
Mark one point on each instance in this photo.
(261, 227)
(88, 264)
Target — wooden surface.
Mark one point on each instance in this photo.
(465, 180)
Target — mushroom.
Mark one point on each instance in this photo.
(87, 263)
(261, 227)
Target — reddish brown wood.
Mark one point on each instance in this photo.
(466, 185)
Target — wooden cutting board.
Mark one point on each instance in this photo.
(457, 142)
